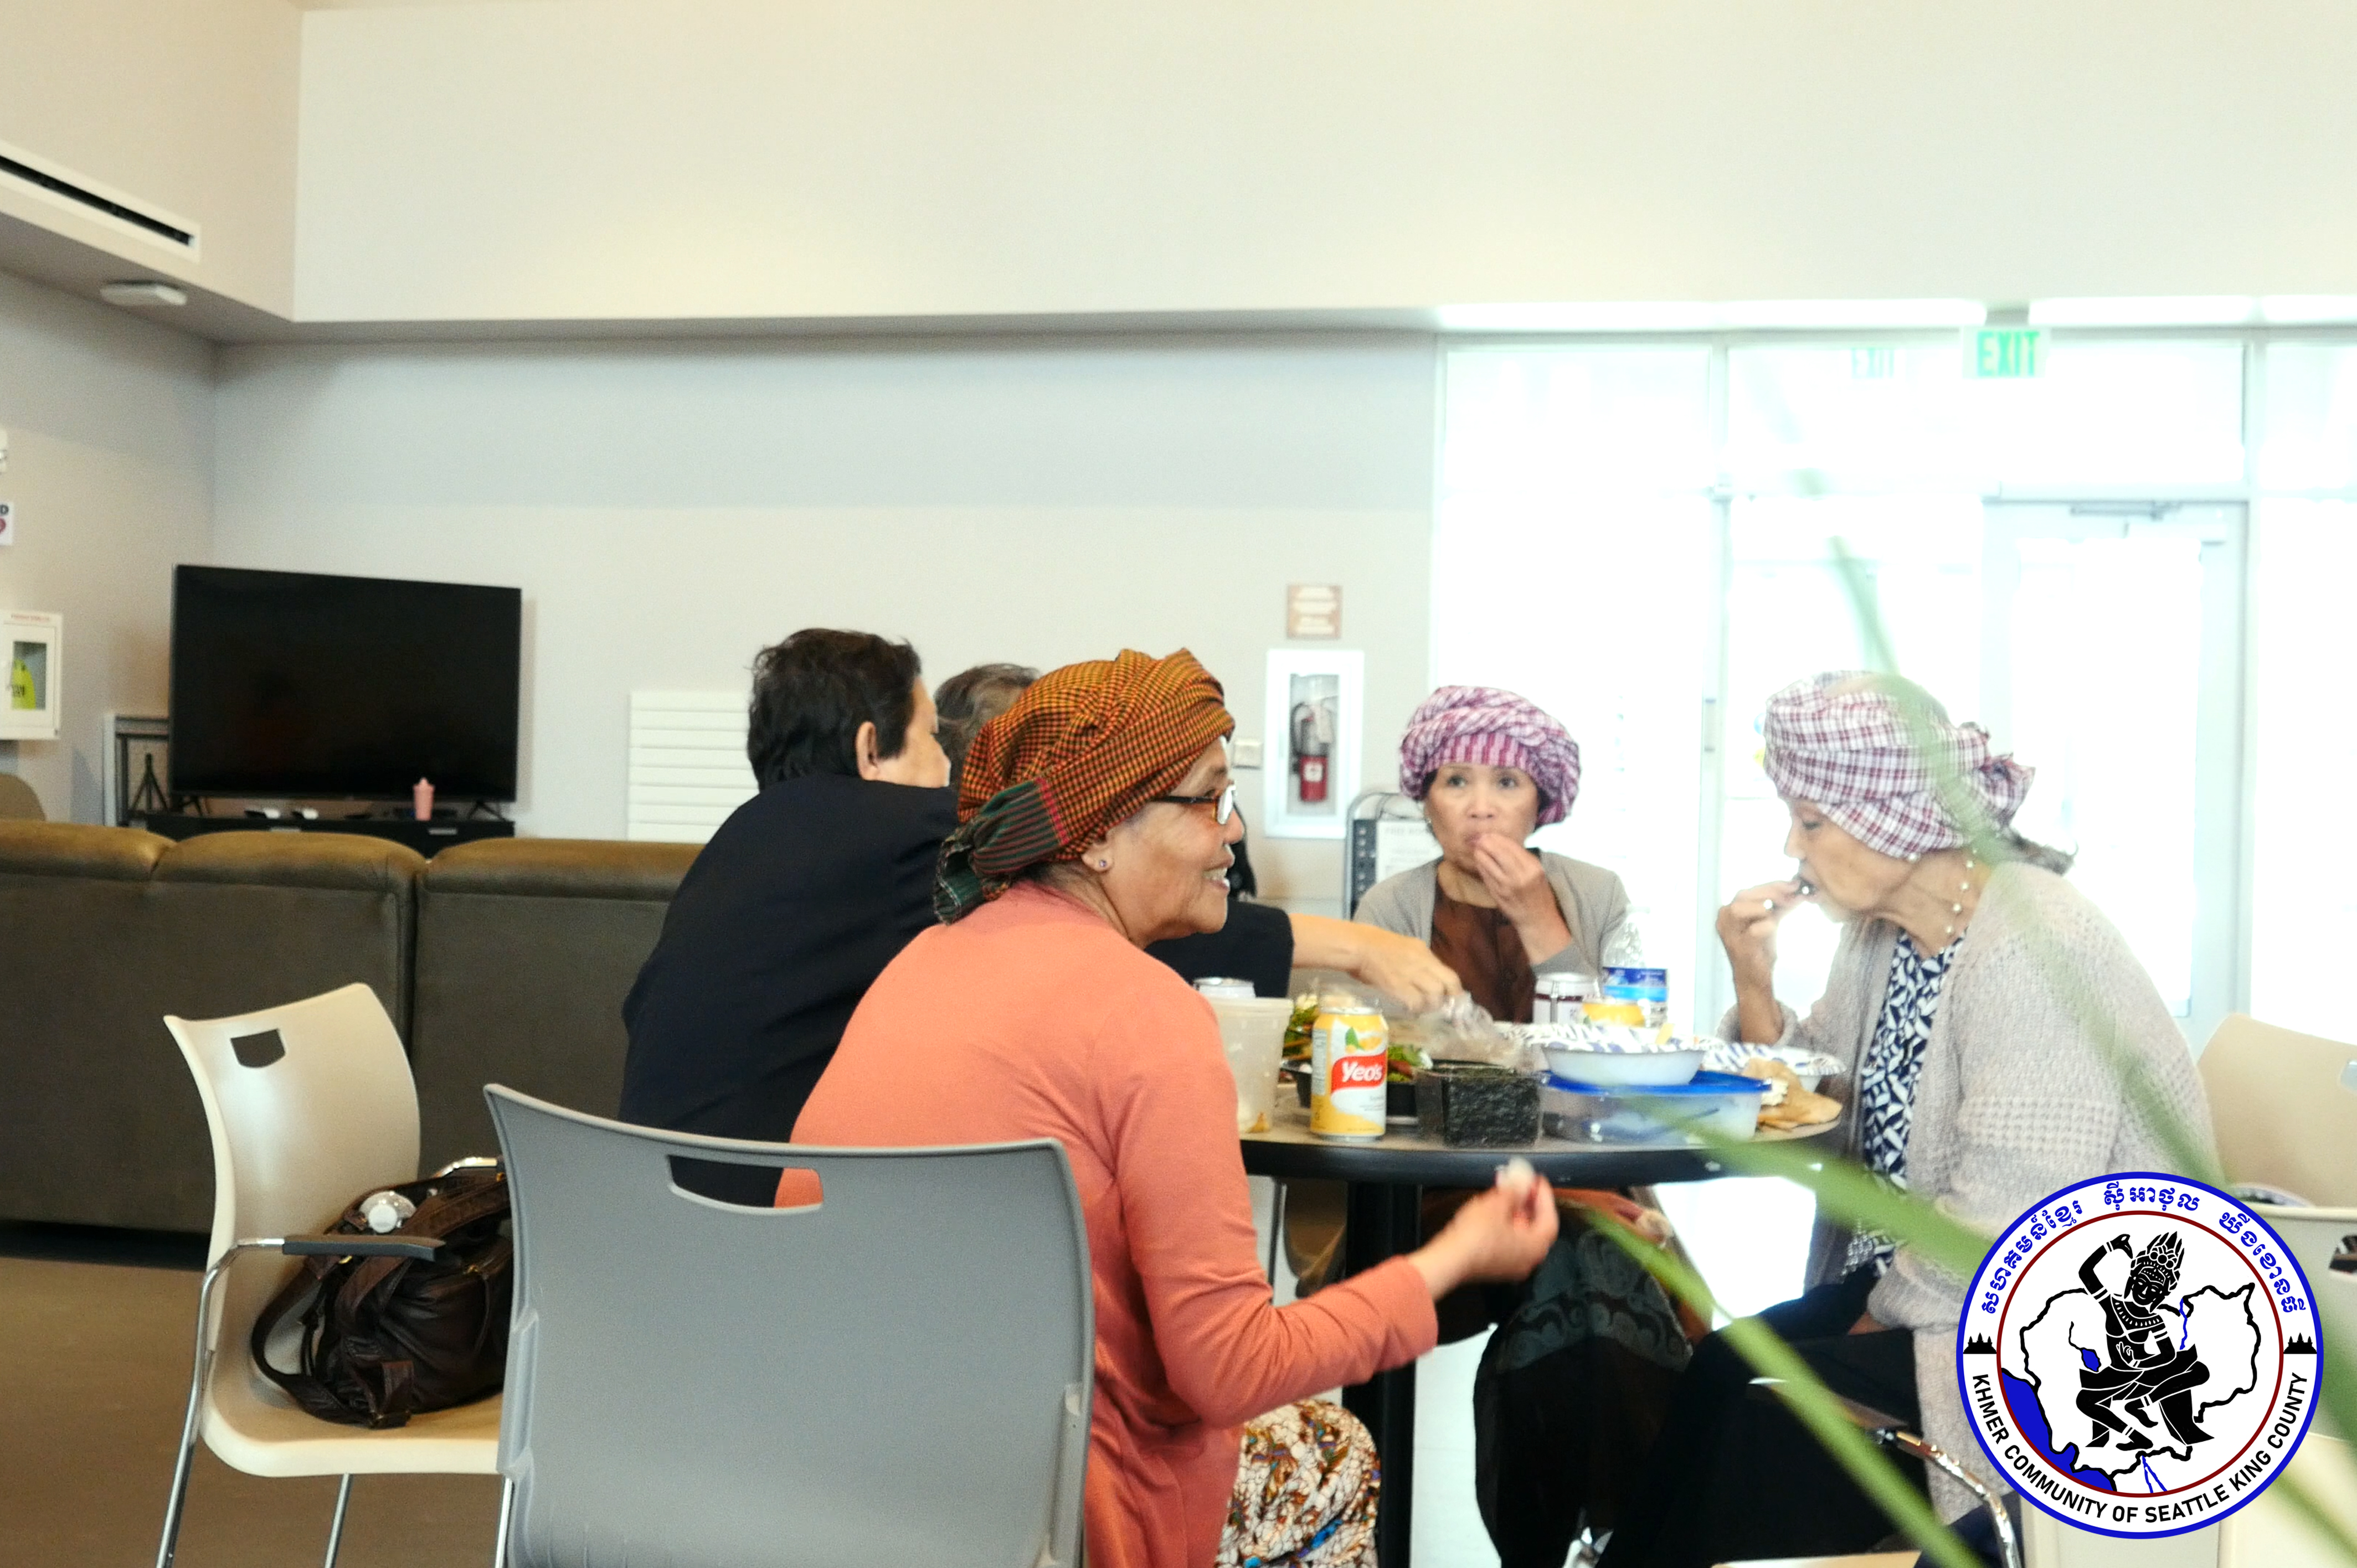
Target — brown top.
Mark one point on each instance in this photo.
(1486, 952)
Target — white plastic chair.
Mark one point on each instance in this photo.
(311, 1105)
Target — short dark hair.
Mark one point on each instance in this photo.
(812, 692)
(971, 698)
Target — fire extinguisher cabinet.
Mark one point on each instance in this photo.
(34, 646)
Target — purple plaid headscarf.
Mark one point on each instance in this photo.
(1842, 742)
(1485, 724)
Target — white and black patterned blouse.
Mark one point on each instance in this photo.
(1886, 1083)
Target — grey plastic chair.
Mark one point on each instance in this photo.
(898, 1374)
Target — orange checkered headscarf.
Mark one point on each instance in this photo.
(1081, 749)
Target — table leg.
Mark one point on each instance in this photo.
(1383, 1222)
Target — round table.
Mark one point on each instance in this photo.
(1385, 1219)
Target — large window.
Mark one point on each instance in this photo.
(2096, 564)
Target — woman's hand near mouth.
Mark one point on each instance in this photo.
(1746, 928)
(1516, 879)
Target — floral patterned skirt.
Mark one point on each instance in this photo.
(1307, 1485)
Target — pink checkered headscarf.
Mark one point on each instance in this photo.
(1485, 724)
(1844, 742)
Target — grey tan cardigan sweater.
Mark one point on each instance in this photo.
(1593, 902)
(2016, 1096)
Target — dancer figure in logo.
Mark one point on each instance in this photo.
(2146, 1367)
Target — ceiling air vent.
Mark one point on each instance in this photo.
(60, 187)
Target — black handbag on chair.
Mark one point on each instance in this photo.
(383, 1339)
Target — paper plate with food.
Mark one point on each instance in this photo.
(1812, 1068)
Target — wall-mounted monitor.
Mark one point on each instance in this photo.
(290, 685)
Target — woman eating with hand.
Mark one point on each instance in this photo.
(1988, 1019)
(1491, 768)
(1094, 817)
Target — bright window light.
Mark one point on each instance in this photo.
(2311, 435)
(2304, 873)
(1840, 314)
(1521, 424)
(2180, 310)
(1599, 315)
(1674, 315)
(1808, 419)
(2308, 309)
(2114, 757)
(1557, 575)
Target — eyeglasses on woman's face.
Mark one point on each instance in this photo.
(1223, 804)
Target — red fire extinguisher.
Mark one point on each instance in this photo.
(1313, 745)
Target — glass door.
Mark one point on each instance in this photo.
(2113, 663)
(2101, 644)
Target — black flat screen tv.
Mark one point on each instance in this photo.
(287, 684)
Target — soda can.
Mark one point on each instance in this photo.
(1350, 1062)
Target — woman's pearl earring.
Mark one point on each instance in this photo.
(1104, 865)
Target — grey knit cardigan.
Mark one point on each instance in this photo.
(2016, 1096)
(1593, 902)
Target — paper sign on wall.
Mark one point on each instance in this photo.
(7, 523)
(1313, 609)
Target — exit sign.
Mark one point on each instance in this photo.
(2005, 353)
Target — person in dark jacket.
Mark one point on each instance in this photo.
(799, 901)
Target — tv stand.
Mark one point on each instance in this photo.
(426, 838)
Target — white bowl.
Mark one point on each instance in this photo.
(1621, 1069)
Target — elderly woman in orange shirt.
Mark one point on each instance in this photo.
(1095, 816)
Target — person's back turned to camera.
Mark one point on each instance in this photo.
(800, 899)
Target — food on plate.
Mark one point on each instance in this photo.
(1787, 1105)
(1297, 1028)
(1811, 1067)
(1406, 1059)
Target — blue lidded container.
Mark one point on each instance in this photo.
(1725, 1104)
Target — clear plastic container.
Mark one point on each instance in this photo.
(1720, 1103)
(1561, 998)
(1252, 1031)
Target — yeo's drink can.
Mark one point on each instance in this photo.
(1350, 1061)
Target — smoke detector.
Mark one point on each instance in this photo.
(142, 294)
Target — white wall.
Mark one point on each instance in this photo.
(668, 509)
(110, 423)
(189, 105)
(739, 158)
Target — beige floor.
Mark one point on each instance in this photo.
(93, 1376)
(94, 1351)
